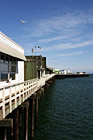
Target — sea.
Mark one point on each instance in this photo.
(66, 110)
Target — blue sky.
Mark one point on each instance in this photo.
(63, 29)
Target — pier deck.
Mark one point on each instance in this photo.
(13, 95)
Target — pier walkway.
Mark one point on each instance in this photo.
(13, 95)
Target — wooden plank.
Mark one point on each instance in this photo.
(6, 123)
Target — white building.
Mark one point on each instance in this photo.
(66, 71)
(11, 61)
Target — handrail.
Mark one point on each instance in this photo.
(14, 94)
(12, 84)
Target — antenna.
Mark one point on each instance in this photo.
(32, 51)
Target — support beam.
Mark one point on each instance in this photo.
(7, 123)
(36, 112)
(26, 123)
(5, 134)
(16, 124)
(32, 117)
(25, 106)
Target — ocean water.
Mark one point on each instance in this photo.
(66, 110)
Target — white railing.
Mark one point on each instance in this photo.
(13, 95)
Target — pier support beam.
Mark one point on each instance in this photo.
(26, 118)
(25, 106)
(16, 124)
(7, 123)
(36, 112)
(32, 116)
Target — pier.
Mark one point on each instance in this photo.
(16, 97)
(63, 76)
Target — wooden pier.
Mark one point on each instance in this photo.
(17, 97)
(63, 76)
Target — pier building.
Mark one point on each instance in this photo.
(35, 67)
(49, 70)
(11, 61)
(22, 80)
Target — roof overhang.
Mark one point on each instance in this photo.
(4, 48)
(42, 69)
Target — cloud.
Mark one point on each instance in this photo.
(61, 37)
(65, 46)
(71, 54)
(72, 45)
(62, 23)
(59, 23)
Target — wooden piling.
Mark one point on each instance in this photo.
(36, 112)
(16, 124)
(32, 117)
(7, 123)
(12, 129)
(5, 134)
(25, 106)
(26, 123)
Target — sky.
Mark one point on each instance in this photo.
(62, 28)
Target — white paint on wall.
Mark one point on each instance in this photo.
(20, 74)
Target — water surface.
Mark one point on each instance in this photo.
(66, 110)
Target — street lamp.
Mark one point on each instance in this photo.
(35, 49)
(40, 49)
(32, 51)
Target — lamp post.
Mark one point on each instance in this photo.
(40, 49)
(32, 51)
(35, 49)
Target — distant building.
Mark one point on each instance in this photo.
(11, 60)
(34, 67)
(66, 71)
(57, 71)
(49, 70)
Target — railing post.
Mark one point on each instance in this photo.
(19, 93)
(10, 103)
(23, 92)
(26, 90)
(3, 102)
(15, 97)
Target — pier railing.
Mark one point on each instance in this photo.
(13, 95)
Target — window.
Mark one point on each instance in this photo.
(12, 76)
(6, 59)
(4, 76)
(8, 67)
(3, 67)
(2, 58)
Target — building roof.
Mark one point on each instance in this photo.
(4, 48)
(9, 47)
(10, 40)
(49, 68)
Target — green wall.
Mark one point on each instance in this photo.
(30, 70)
